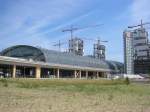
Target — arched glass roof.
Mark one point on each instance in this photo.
(50, 56)
(23, 51)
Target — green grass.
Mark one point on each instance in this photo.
(73, 85)
(34, 83)
(85, 86)
(66, 84)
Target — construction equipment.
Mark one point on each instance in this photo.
(59, 44)
(76, 44)
(139, 25)
(72, 29)
(98, 40)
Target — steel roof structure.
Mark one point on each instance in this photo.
(50, 56)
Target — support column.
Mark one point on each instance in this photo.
(94, 75)
(80, 74)
(38, 72)
(14, 71)
(87, 74)
(97, 75)
(103, 75)
(54, 73)
(58, 73)
(108, 75)
(75, 74)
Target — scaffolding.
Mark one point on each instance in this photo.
(76, 46)
(99, 51)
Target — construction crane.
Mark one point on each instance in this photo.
(139, 25)
(59, 44)
(72, 29)
(98, 40)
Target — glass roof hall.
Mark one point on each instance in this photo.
(51, 56)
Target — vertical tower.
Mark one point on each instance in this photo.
(99, 51)
(76, 46)
(128, 52)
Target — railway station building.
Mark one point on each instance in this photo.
(24, 61)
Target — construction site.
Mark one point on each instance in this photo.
(35, 62)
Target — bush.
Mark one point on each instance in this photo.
(127, 81)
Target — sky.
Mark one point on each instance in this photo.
(40, 22)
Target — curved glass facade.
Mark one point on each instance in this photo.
(50, 56)
(23, 51)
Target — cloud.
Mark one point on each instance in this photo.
(135, 11)
(34, 14)
(140, 10)
(23, 21)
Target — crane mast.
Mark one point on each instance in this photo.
(59, 44)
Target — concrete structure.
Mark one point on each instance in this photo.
(32, 62)
(141, 51)
(140, 44)
(136, 51)
(76, 46)
(99, 51)
(142, 66)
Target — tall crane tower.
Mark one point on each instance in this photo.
(75, 43)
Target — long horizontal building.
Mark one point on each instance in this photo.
(23, 61)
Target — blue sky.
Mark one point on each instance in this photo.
(39, 22)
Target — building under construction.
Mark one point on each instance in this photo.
(76, 46)
(137, 50)
(99, 51)
(33, 62)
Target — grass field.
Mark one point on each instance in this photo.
(30, 95)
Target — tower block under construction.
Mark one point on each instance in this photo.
(76, 46)
(99, 51)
